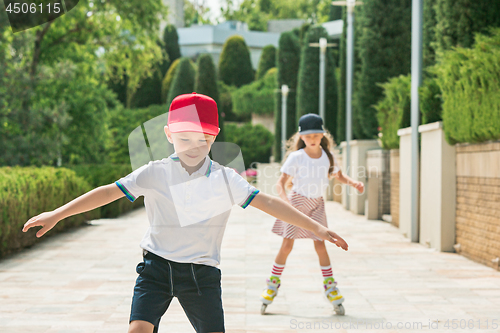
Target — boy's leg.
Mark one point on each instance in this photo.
(153, 293)
(140, 326)
(200, 295)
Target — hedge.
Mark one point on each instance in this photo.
(29, 191)
(394, 109)
(257, 97)
(470, 83)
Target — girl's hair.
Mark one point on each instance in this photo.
(295, 143)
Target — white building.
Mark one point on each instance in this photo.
(199, 39)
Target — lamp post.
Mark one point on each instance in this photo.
(416, 82)
(323, 44)
(284, 96)
(349, 79)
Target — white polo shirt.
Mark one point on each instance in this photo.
(187, 213)
(310, 175)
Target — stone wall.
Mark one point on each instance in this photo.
(478, 202)
(395, 187)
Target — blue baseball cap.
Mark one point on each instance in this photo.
(310, 123)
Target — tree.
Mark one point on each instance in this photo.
(183, 82)
(267, 61)
(458, 21)
(385, 51)
(288, 60)
(341, 113)
(206, 84)
(171, 41)
(308, 80)
(150, 89)
(235, 66)
(256, 13)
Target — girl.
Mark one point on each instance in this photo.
(311, 164)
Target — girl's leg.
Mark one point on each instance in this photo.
(286, 248)
(324, 259)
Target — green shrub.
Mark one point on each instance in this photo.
(470, 83)
(267, 61)
(288, 60)
(183, 82)
(167, 80)
(29, 191)
(430, 101)
(257, 97)
(103, 174)
(255, 142)
(394, 109)
(225, 104)
(206, 84)
(235, 66)
(171, 41)
(384, 49)
(308, 80)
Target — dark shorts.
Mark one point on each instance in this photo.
(197, 287)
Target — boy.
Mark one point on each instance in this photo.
(188, 199)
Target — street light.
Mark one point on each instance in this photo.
(323, 44)
(349, 79)
(416, 82)
(284, 95)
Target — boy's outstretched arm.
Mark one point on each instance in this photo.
(96, 198)
(285, 212)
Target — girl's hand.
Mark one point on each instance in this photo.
(359, 186)
(46, 220)
(332, 237)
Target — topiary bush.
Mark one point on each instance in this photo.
(235, 66)
(266, 62)
(206, 84)
(183, 82)
(308, 80)
(167, 80)
(288, 61)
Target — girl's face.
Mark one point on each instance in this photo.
(312, 140)
(190, 147)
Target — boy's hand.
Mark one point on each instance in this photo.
(46, 220)
(359, 186)
(332, 237)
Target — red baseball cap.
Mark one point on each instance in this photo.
(193, 113)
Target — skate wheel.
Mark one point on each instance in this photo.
(263, 309)
(339, 310)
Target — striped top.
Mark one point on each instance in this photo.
(187, 213)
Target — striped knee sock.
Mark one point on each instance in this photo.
(277, 270)
(326, 271)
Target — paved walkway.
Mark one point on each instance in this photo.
(82, 281)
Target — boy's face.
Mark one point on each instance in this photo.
(190, 147)
(312, 140)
